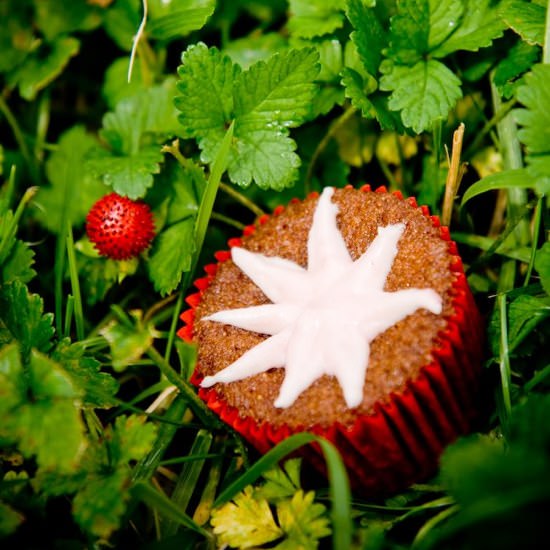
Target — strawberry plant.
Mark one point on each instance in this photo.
(186, 120)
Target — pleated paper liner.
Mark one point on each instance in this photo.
(401, 441)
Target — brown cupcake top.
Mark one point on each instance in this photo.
(396, 356)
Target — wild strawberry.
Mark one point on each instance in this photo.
(119, 227)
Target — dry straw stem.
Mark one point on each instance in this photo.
(454, 176)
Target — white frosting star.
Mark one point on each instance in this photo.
(323, 318)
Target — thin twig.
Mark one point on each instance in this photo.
(340, 121)
(240, 198)
(137, 38)
(456, 171)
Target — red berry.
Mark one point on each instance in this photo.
(119, 227)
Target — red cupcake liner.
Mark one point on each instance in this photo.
(401, 441)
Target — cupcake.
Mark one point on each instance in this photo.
(347, 315)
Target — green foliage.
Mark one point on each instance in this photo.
(9, 519)
(542, 265)
(175, 19)
(423, 89)
(310, 18)
(279, 94)
(134, 132)
(44, 66)
(127, 341)
(264, 101)
(72, 191)
(103, 480)
(16, 258)
(97, 388)
(534, 118)
(35, 408)
(23, 319)
(248, 520)
(525, 18)
(423, 93)
(493, 484)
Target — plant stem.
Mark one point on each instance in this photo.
(75, 284)
(137, 38)
(227, 220)
(517, 198)
(147, 466)
(42, 125)
(340, 121)
(536, 229)
(504, 360)
(453, 176)
(200, 409)
(188, 478)
(19, 138)
(174, 324)
(240, 198)
(488, 126)
(10, 232)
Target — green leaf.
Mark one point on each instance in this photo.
(127, 343)
(409, 31)
(22, 315)
(309, 18)
(177, 19)
(478, 472)
(303, 520)
(10, 519)
(277, 93)
(17, 39)
(263, 101)
(520, 58)
(534, 119)
(73, 190)
(357, 89)
(524, 314)
(121, 22)
(525, 18)
(116, 86)
(44, 66)
(99, 506)
(148, 116)
(99, 274)
(339, 484)
(255, 47)
(135, 131)
(56, 18)
(369, 36)
(281, 482)
(501, 489)
(508, 179)
(531, 413)
(423, 93)
(445, 16)
(172, 255)
(127, 175)
(50, 400)
(206, 94)
(103, 483)
(18, 264)
(97, 388)
(12, 381)
(265, 157)
(245, 522)
(479, 26)
(130, 439)
(542, 265)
